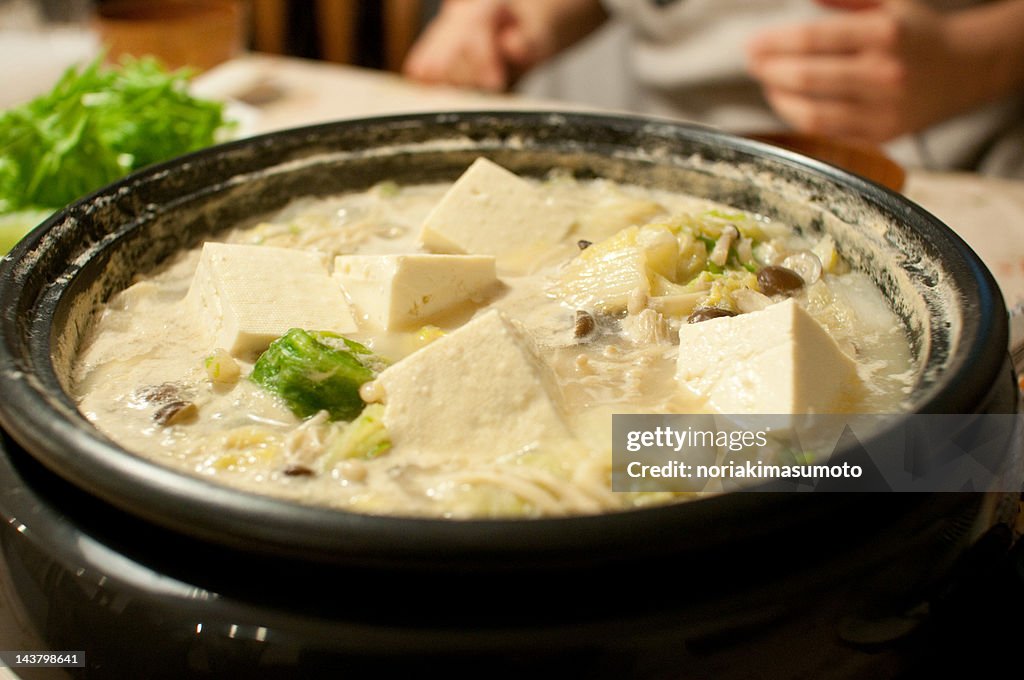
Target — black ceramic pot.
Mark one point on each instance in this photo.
(155, 573)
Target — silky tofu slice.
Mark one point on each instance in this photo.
(491, 211)
(481, 390)
(248, 296)
(396, 292)
(778, 360)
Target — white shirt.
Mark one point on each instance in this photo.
(688, 58)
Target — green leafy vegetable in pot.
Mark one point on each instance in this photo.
(365, 437)
(97, 125)
(316, 371)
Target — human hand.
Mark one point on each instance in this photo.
(875, 71)
(472, 43)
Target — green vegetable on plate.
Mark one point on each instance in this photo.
(13, 226)
(96, 125)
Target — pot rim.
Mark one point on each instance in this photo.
(43, 419)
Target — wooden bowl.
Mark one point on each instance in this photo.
(195, 33)
(865, 160)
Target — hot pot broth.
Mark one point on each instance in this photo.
(506, 411)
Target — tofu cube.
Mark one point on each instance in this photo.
(248, 296)
(776, 360)
(396, 292)
(491, 211)
(481, 390)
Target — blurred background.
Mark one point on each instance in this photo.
(43, 37)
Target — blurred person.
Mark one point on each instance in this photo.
(939, 82)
